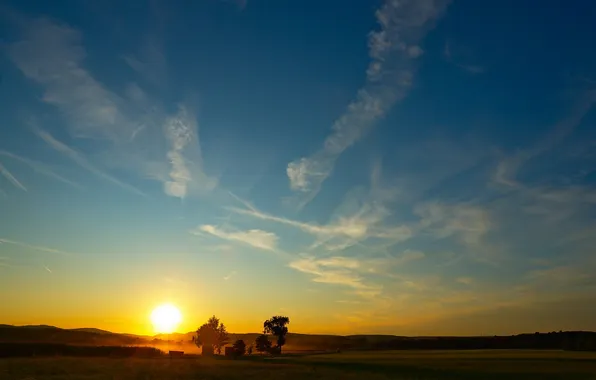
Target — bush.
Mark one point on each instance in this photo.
(239, 347)
(262, 343)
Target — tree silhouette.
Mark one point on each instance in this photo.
(239, 347)
(277, 326)
(222, 338)
(211, 336)
(262, 343)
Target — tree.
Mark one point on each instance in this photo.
(262, 343)
(277, 326)
(239, 347)
(222, 338)
(211, 336)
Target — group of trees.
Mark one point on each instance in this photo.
(212, 336)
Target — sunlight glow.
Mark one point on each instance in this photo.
(165, 318)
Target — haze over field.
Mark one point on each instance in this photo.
(415, 167)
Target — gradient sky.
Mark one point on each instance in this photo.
(405, 167)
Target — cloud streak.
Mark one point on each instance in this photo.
(254, 237)
(80, 160)
(349, 229)
(150, 63)
(52, 55)
(8, 175)
(393, 51)
(354, 272)
(472, 69)
(359, 217)
(41, 168)
(129, 130)
(181, 131)
(336, 271)
(35, 247)
(467, 223)
(507, 169)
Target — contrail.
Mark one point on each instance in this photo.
(36, 247)
(80, 160)
(11, 178)
(41, 168)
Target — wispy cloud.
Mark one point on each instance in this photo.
(181, 131)
(472, 69)
(450, 56)
(560, 280)
(229, 275)
(354, 229)
(8, 175)
(52, 55)
(82, 161)
(35, 247)
(41, 168)
(150, 62)
(47, 269)
(567, 274)
(387, 264)
(465, 280)
(393, 50)
(559, 210)
(351, 225)
(256, 238)
(354, 272)
(338, 271)
(506, 170)
(468, 223)
(128, 130)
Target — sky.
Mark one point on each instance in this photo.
(411, 167)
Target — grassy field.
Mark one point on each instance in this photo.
(482, 364)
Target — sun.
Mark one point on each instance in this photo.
(165, 318)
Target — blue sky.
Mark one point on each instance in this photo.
(407, 167)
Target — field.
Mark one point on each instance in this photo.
(478, 364)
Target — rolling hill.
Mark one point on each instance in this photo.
(573, 340)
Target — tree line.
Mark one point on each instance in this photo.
(562, 340)
(213, 336)
(41, 349)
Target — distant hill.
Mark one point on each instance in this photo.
(83, 336)
(92, 330)
(572, 340)
(93, 336)
(32, 326)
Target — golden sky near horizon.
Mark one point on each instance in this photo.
(404, 167)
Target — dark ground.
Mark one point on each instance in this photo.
(429, 364)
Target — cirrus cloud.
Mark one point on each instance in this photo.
(393, 50)
(254, 237)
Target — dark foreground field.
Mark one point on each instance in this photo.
(481, 364)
